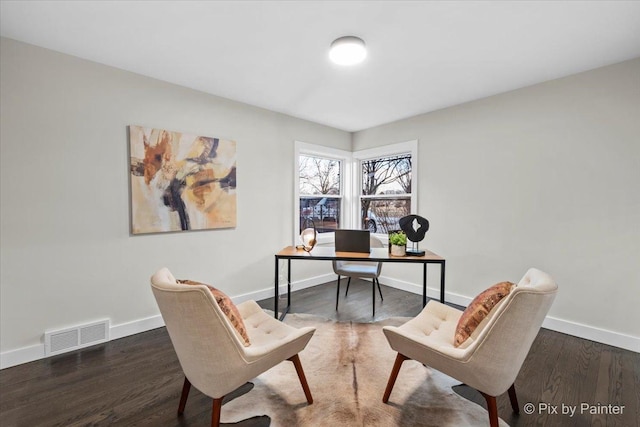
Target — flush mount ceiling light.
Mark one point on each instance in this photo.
(347, 50)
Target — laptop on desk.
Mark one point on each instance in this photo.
(353, 241)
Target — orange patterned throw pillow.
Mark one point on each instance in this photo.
(479, 309)
(228, 308)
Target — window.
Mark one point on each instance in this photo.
(386, 192)
(320, 192)
(369, 189)
(387, 177)
(320, 184)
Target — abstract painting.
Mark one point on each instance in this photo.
(181, 181)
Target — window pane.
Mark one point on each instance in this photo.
(324, 211)
(319, 176)
(387, 175)
(382, 215)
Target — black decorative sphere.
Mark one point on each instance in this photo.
(414, 226)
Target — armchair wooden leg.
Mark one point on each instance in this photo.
(400, 358)
(215, 412)
(185, 393)
(338, 293)
(492, 407)
(303, 380)
(514, 399)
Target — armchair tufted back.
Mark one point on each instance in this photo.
(498, 351)
(206, 345)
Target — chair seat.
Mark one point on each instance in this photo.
(266, 333)
(362, 269)
(432, 330)
(359, 269)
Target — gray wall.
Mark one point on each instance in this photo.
(546, 176)
(67, 256)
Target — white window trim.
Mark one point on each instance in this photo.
(350, 181)
(346, 175)
(407, 147)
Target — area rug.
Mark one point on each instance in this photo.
(347, 366)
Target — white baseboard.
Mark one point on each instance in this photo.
(587, 332)
(295, 286)
(36, 352)
(431, 292)
(135, 327)
(616, 339)
(21, 355)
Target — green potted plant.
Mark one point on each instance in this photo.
(398, 243)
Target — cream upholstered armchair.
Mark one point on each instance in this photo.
(362, 269)
(490, 359)
(212, 354)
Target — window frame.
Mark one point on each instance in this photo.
(345, 159)
(351, 181)
(390, 150)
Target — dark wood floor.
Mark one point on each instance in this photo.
(136, 381)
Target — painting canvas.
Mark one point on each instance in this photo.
(181, 181)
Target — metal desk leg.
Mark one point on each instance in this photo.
(424, 284)
(442, 281)
(276, 293)
(288, 283)
(285, 310)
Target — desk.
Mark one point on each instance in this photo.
(329, 254)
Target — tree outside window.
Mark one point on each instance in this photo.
(320, 192)
(386, 192)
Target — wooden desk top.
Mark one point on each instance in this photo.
(377, 254)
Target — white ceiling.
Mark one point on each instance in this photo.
(423, 56)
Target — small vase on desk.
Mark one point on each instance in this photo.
(398, 250)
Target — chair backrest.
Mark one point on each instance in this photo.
(374, 243)
(207, 347)
(504, 339)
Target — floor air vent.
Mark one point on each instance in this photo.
(63, 340)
